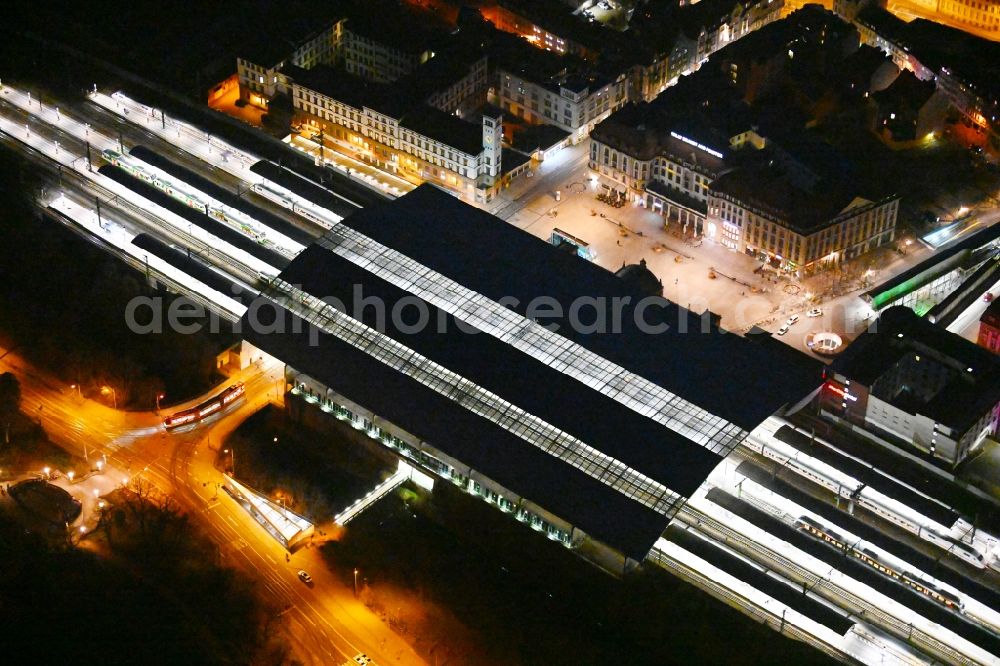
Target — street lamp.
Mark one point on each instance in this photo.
(232, 459)
(159, 397)
(79, 392)
(46, 471)
(105, 390)
(355, 581)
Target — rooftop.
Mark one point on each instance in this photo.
(538, 137)
(558, 19)
(394, 102)
(526, 267)
(393, 23)
(971, 59)
(447, 128)
(353, 90)
(486, 390)
(907, 90)
(968, 375)
(861, 65)
(644, 131)
(778, 190)
(279, 39)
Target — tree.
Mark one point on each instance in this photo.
(10, 394)
(10, 402)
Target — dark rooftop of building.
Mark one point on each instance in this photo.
(447, 128)
(713, 369)
(558, 19)
(906, 91)
(710, 14)
(538, 137)
(569, 493)
(640, 279)
(861, 65)
(728, 367)
(277, 40)
(643, 131)
(512, 160)
(452, 61)
(971, 59)
(775, 189)
(393, 23)
(353, 90)
(972, 384)
(394, 102)
(513, 54)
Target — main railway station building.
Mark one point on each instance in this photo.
(533, 379)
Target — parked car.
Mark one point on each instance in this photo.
(362, 659)
(305, 577)
(791, 320)
(815, 312)
(783, 330)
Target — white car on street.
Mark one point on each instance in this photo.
(783, 330)
(791, 320)
(815, 312)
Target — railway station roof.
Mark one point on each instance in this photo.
(608, 430)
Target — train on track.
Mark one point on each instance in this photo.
(205, 409)
(137, 169)
(914, 582)
(856, 494)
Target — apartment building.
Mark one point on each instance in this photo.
(713, 24)
(260, 69)
(375, 124)
(909, 381)
(574, 103)
(653, 163)
(358, 41)
(779, 211)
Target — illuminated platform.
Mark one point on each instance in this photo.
(288, 527)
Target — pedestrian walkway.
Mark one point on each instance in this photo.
(404, 472)
(288, 527)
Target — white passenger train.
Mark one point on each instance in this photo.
(138, 169)
(853, 490)
(872, 559)
(275, 193)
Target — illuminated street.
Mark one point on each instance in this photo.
(700, 299)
